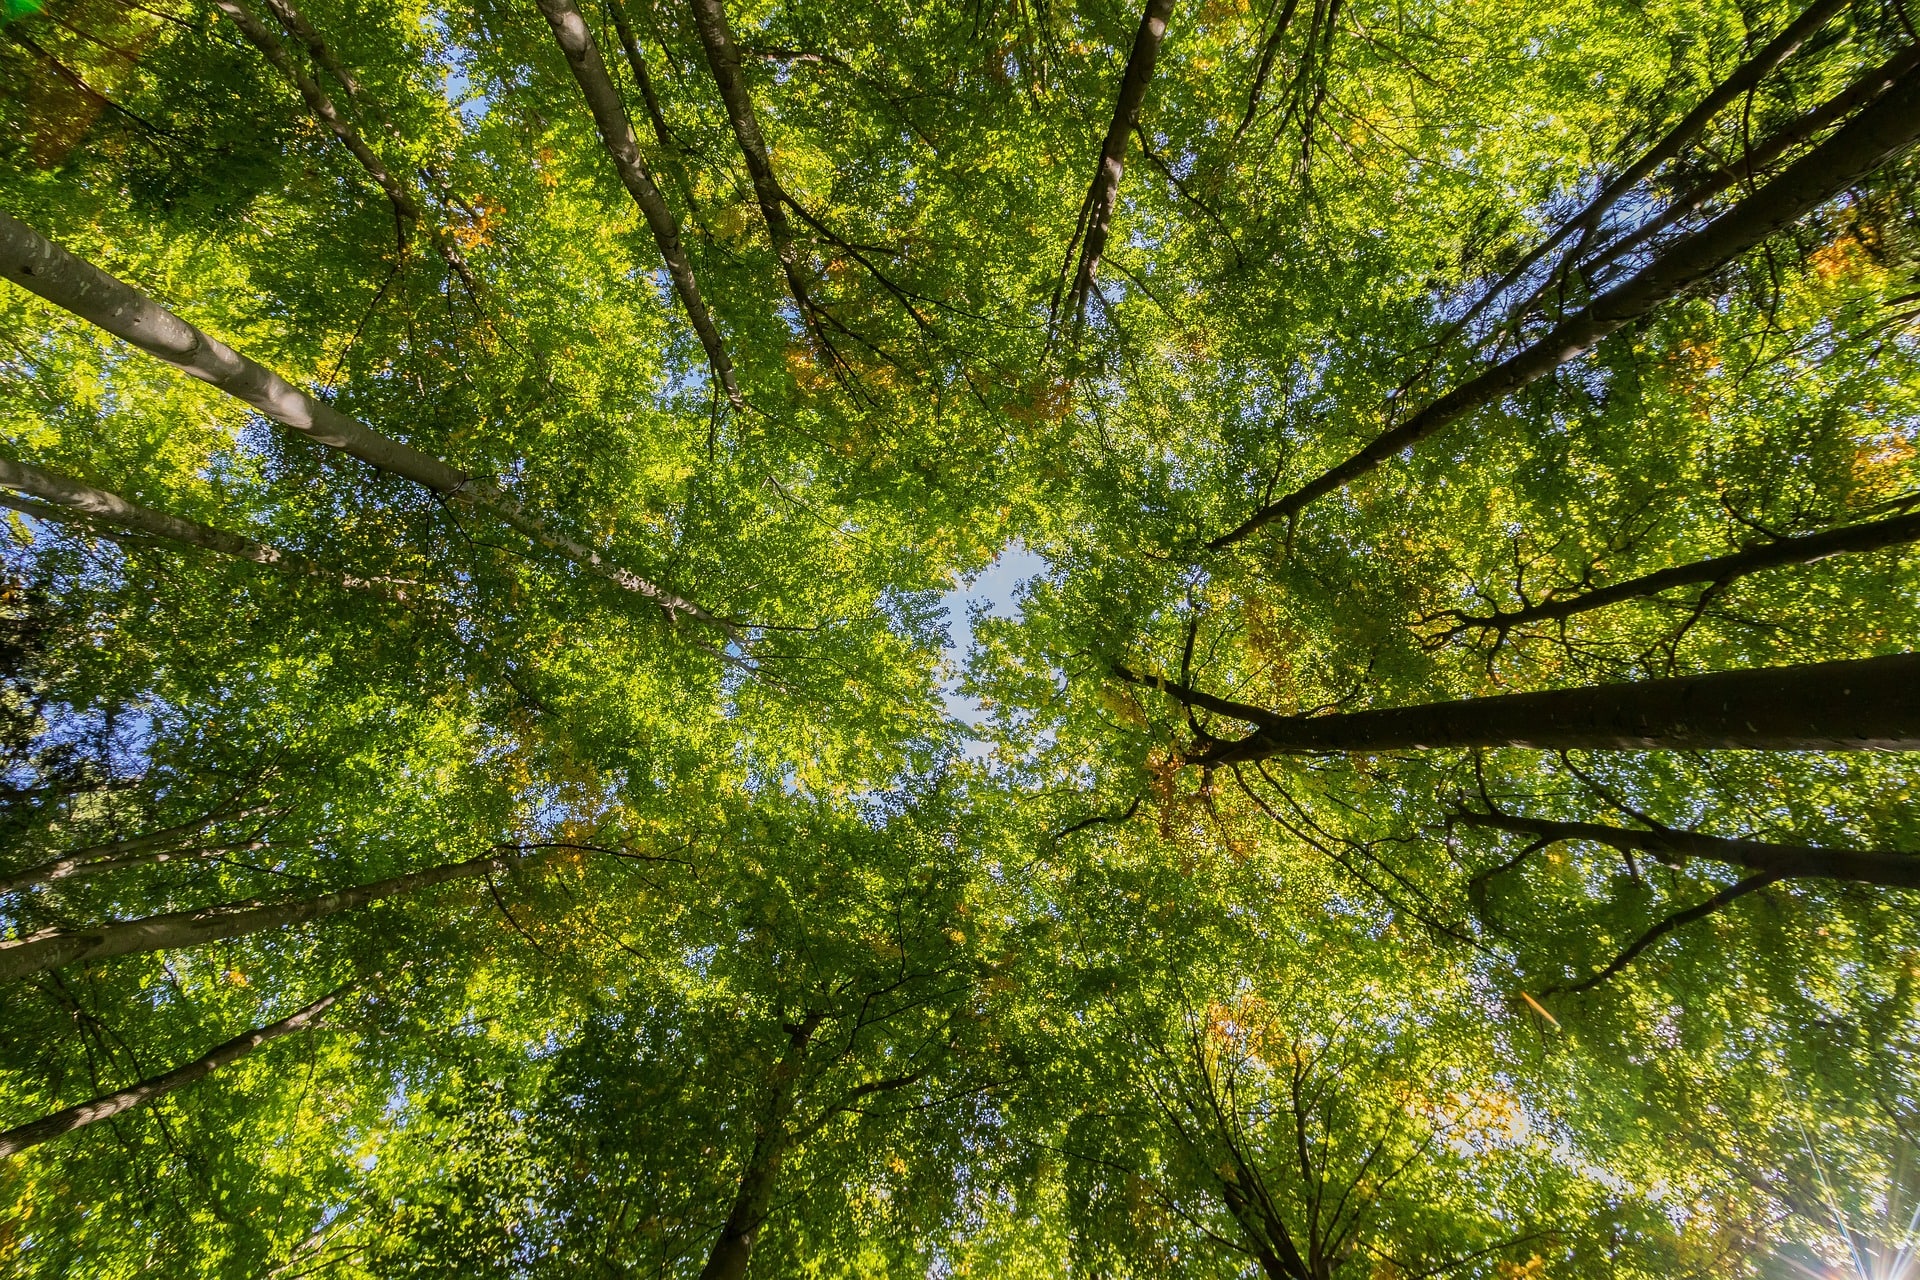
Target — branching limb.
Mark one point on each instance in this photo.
(1782, 861)
(1678, 919)
(109, 1105)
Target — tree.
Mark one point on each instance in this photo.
(1438, 799)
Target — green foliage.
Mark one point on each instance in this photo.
(778, 949)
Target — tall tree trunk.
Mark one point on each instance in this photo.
(723, 57)
(1805, 862)
(1263, 1239)
(79, 868)
(1756, 158)
(1869, 140)
(107, 1106)
(405, 208)
(734, 1248)
(42, 267)
(610, 117)
(1096, 216)
(1874, 535)
(80, 861)
(1744, 78)
(1869, 704)
(56, 947)
(69, 498)
(637, 63)
(1268, 53)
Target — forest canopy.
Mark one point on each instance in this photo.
(490, 787)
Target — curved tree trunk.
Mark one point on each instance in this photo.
(107, 1106)
(1870, 704)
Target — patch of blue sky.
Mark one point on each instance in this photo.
(992, 593)
(469, 103)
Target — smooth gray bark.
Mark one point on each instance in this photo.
(42, 267)
(56, 947)
(81, 861)
(610, 117)
(68, 498)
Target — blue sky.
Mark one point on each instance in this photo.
(994, 588)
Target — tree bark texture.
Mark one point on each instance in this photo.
(1104, 193)
(610, 117)
(723, 57)
(1879, 133)
(1868, 704)
(1760, 155)
(69, 498)
(42, 267)
(107, 1106)
(637, 63)
(734, 1248)
(54, 948)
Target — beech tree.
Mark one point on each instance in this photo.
(492, 494)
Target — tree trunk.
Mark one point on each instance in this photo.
(1876, 135)
(405, 208)
(155, 845)
(723, 57)
(1744, 78)
(758, 1181)
(42, 267)
(637, 63)
(53, 948)
(81, 861)
(107, 1106)
(610, 117)
(1804, 862)
(1262, 1241)
(1104, 193)
(1760, 155)
(1804, 549)
(1869, 704)
(75, 868)
(70, 497)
